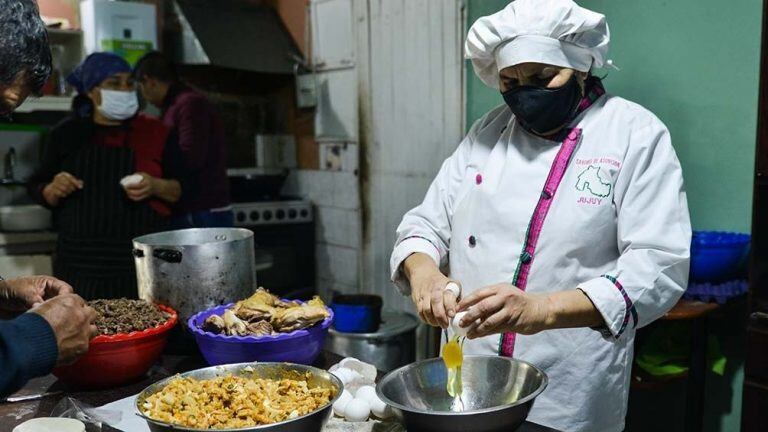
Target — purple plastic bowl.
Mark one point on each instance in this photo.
(299, 346)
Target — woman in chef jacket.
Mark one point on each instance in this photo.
(87, 156)
(561, 217)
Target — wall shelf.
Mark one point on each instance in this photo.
(57, 35)
(46, 103)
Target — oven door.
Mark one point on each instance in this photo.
(292, 249)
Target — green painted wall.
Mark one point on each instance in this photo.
(694, 64)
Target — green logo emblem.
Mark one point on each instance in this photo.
(591, 180)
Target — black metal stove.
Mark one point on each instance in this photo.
(283, 227)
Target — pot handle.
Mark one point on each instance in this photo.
(138, 253)
(167, 255)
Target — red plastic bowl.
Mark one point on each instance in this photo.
(117, 359)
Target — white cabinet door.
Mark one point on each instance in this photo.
(336, 115)
(332, 35)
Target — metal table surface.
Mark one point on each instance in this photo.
(15, 413)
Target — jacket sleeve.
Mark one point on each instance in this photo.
(654, 236)
(194, 132)
(173, 166)
(49, 167)
(427, 227)
(27, 349)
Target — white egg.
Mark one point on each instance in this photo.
(380, 409)
(455, 328)
(341, 403)
(345, 375)
(357, 410)
(366, 393)
(365, 370)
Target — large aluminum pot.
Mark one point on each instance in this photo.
(195, 269)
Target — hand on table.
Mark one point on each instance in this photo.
(504, 308)
(72, 321)
(143, 189)
(20, 294)
(62, 186)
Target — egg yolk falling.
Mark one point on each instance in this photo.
(453, 358)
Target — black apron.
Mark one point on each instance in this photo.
(96, 225)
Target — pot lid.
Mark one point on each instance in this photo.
(392, 324)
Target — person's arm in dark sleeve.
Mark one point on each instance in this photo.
(174, 166)
(49, 167)
(27, 349)
(194, 133)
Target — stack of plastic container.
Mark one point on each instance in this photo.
(718, 266)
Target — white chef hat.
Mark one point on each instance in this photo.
(556, 32)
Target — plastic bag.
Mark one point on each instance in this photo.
(95, 419)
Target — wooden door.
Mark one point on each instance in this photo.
(755, 396)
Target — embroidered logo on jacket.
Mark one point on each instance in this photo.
(590, 180)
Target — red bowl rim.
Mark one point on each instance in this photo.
(122, 337)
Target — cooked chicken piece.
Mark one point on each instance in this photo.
(316, 301)
(259, 298)
(235, 326)
(264, 313)
(260, 328)
(214, 324)
(287, 304)
(260, 306)
(254, 312)
(295, 318)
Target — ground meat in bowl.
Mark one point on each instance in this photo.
(126, 316)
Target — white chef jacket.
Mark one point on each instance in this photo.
(618, 228)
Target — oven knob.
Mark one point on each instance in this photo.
(267, 215)
(304, 213)
(292, 214)
(255, 215)
(280, 214)
(241, 216)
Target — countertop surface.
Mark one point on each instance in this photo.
(12, 414)
(12, 238)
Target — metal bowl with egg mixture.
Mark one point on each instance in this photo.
(311, 422)
(497, 394)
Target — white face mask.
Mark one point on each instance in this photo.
(118, 105)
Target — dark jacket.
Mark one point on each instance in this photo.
(201, 149)
(27, 349)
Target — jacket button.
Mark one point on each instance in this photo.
(478, 179)
(472, 241)
(526, 257)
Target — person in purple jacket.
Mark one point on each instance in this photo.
(200, 153)
(42, 322)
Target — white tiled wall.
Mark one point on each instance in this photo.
(336, 199)
(338, 227)
(335, 189)
(338, 264)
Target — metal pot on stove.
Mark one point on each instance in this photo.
(195, 269)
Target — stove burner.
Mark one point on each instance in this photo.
(288, 211)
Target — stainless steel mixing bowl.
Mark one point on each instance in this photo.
(312, 422)
(497, 393)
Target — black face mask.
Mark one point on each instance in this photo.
(542, 110)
